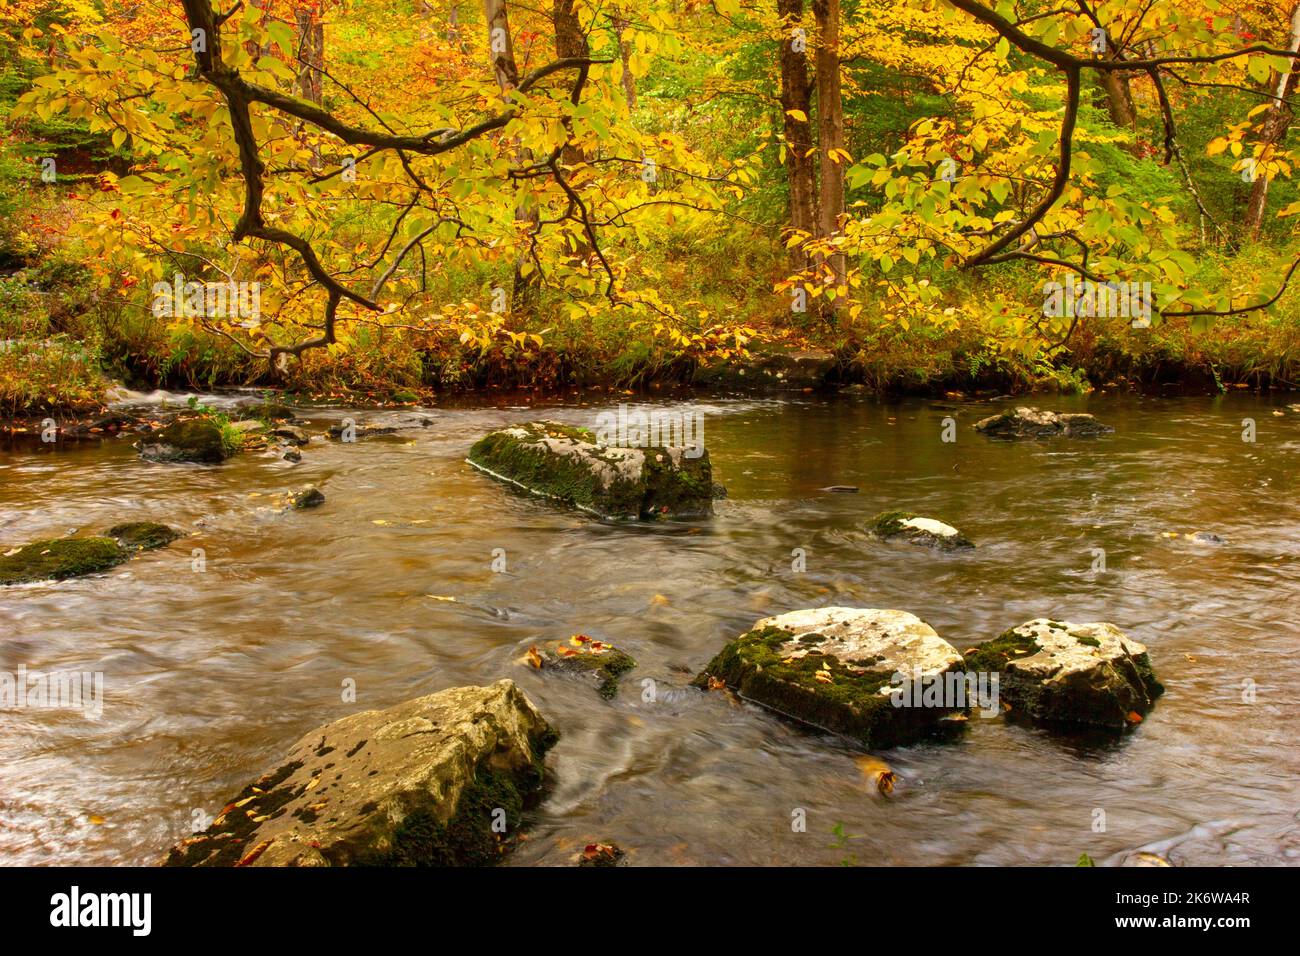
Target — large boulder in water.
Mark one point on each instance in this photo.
(1026, 422)
(1062, 673)
(567, 464)
(189, 439)
(838, 669)
(419, 784)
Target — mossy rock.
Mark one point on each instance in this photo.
(143, 535)
(308, 497)
(837, 669)
(919, 530)
(359, 431)
(1058, 673)
(60, 558)
(201, 440)
(588, 659)
(419, 784)
(1024, 422)
(567, 464)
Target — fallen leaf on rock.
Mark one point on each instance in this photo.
(534, 657)
(254, 853)
(717, 683)
(1134, 717)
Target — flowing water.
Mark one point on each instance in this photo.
(211, 676)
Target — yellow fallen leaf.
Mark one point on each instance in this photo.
(877, 771)
(440, 597)
(96, 820)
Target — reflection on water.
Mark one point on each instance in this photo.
(209, 677)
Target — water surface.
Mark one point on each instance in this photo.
(210, 677)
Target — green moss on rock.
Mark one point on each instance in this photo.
(816, 689)
(59, 558)
(566, 463)
(1057, 673)
(205, 440)
(594, 660)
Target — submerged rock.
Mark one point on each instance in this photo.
(419, 784)
(834, 669)
(566, 463)
(308, 497)
(915, 529)
(592, 660)
(601, 854)
(1062, 673)
(1034, 423)
(290, 433)
(60, 558)
(189, 439)
(143, 535)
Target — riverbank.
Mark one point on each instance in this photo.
(66, 342)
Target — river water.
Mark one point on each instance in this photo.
(210, 676)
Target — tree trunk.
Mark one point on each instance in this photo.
(1119, 99)
(796, 96)
(1277, 122)
(570, 41)
(311, 52)
(523, 296)
(830, 135)
(625, 55)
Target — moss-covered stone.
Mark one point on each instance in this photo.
(1027, 422)
(203, 440)
(917, 529)
(60, 558)
(267, 411)
(567, 464)
(308, 497)
(835, 669)
(425, 783)
(1058, 673)
(143, 535)
(589, 659)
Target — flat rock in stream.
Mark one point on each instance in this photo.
(917, 529)
(419, 784)
(837, 668)
(1025, 422)
(1056, 672)
(359, 431)
(57, 559)
(567, 464)
(187, 439)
